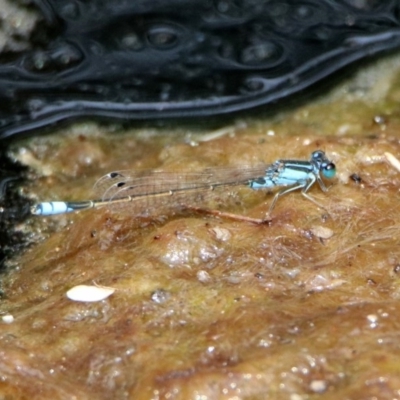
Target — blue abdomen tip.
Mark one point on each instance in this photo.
(50, 208)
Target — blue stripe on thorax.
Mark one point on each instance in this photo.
(284, 173)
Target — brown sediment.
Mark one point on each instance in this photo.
(209, 307)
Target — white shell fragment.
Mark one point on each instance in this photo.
(7, 319)
(88, 293)
(322, 232)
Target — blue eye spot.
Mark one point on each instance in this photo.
(329, 171)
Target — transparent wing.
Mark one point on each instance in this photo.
(119, 184)
(146, 192)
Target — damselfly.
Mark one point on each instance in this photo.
(146, 189)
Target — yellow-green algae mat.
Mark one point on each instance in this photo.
(209, 308)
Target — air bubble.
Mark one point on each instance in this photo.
(35, 105)
(254, 84)
(162, 36)
(131, 41)
(260, 53)
(40, 60)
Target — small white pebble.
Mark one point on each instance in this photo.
(203, 276)
(322, 232)
(8, 318)
(88, 293)
(221, 233)
(372, 318)
(318, 386)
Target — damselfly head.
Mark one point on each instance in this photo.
(326, 166)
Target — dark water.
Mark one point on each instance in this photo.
(182, 58)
